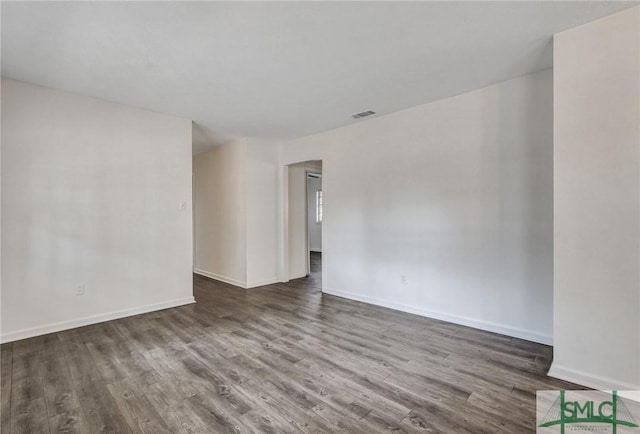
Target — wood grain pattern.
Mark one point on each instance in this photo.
(283, 358)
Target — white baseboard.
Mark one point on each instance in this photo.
(235, 282)
(262, 282)
(298, 276)
(589, 380)
(92, 319)
(221, 278)
(515, 332)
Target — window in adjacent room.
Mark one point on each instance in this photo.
(319, 206)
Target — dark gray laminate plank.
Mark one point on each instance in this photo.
(100, 410)
(6, 375)
(59, 392)
(136, 408)
(72, 421)
(28, 406)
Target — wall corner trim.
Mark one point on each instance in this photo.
(92, 319)
(589, 380)
(503, 329)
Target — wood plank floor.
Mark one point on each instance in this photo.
(282, 358)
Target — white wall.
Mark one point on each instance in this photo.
(1, 329)
(262, 213)
(236, 187)
(220, 213)
(597, 203)
(315, 228)
(457, 195)
(90, 194)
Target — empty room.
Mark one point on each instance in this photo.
(320, 217)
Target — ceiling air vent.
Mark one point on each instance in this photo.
(363, 114)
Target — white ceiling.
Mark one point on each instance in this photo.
(280, 70)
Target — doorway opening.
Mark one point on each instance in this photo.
(314, 227)
(305, 214)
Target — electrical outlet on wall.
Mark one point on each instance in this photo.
(403, 280)
(80, 289)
